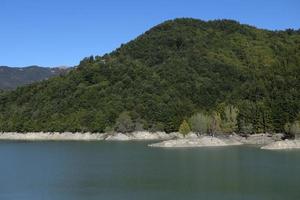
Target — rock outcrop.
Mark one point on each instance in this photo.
(55, 136)
(141, 135)
(258, 139)
(175, 139)
(205, 141)
(282, 145)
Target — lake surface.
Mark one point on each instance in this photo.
(131, 170)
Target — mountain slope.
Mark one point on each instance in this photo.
(12, 77)
(167, 74)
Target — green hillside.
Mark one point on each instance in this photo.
(174, 70)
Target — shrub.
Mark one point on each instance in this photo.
(124, 123)
(200, 123)
(229, 119)
(184, 128)
(108, 129)
(215, 125)
(293, 128)
(157, 127)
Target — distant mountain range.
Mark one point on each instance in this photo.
(12, 77)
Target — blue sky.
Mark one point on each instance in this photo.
(62, 32)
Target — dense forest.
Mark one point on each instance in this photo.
(180, 70)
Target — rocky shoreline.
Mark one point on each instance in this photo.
(192, 140)
(171, 140)
(205, 141)
(68, 136)
(283, 145)
(258, 139)
(141, 135)
(51, 136)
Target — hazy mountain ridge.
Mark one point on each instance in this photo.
(12, 77)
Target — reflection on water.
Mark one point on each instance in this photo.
(131, 170)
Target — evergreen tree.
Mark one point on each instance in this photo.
(184, 128)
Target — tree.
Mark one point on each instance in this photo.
(184, 128)
(215, 125)
(157, 127)
(229, 119)
(293, 128)
(124, 123)
(140, 124)
(108, 129)
(246, 117)
(200, 123)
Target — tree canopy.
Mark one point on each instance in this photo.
(171, 72)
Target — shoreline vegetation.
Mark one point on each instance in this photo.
(166, 140)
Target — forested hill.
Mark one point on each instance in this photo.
(174, 70)
(12, 77)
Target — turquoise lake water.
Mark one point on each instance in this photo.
(131, 170)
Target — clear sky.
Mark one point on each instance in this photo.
(62, 32)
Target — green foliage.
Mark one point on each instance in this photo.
(293, 128)
(124, 123)
(200, 123)
(222, 121)
(216, 121)
(157, 127)
(229, 119)
(171, 72)
(257, 117)
(108, 129)
(184, 128)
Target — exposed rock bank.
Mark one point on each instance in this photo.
(40, 136)
(272, 141)
(258, 139)
(205, 141)
(281, 145)
(68, 136)
(141, 135)
(117, 137)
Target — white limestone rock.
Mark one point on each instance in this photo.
(118, 137)
(55, 136)
(205, 141)
(282, 145)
